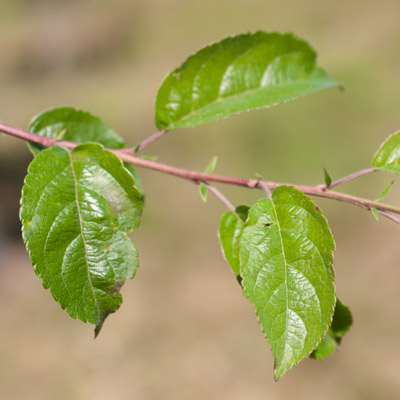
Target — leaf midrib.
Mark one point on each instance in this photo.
(285, 261)
(221, 99)
(83, 236)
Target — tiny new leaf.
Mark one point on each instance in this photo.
(68, 123)
(388, 156)
(210, 168)
(328, 179)
(203, 191)
(385, 191)
(341, 323)
(375, 213)
(286, 265)
(77, 208)
(240, 73)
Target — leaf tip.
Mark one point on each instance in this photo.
(98, 327)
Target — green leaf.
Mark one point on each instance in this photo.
(78, 126)
(230, 229)
(286, 265)
(243, 212)
(341, 323)
(211, 166)
(77, 208)
(68, 123)
(328, 179)
(203, 191)
(385, 191)
(240, 73)
(388, 156)
(375, 213)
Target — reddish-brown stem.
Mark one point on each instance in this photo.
(349, 178)
(389, 216)
(147, 142)
(319, 190)
(220, 196)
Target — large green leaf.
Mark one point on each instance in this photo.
(77, 208)
(388, 156)
(68, 123)
(240, 73)
(286, 265)
(341, 323)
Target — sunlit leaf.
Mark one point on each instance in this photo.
(77, 208)
(286, 265)
(240, 73)
(388, 156)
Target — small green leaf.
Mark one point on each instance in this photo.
(231, 227)
(388, 156)
(203, 192)
(385, 191)
(211, 166)
(328, 179)
(286, 265)
(243, 212)
(68, 123)
(341, 323)
(239, 73)
(375, 213)
(77, 208)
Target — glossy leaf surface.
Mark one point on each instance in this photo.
(341, 323)
(77, 208)
(286, 265)
(240, 73)
(388, 156)
(68, 123)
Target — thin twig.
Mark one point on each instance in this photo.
(220, 196)
(389, 216)
(349, 178)
(151, 139)
(319, 190)
(265, 189)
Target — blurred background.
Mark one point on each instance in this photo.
(185, 331)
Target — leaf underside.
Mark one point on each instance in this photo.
(341, 323)
(286, 265)
(240, 73)
(387, 157)
(77, 208)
